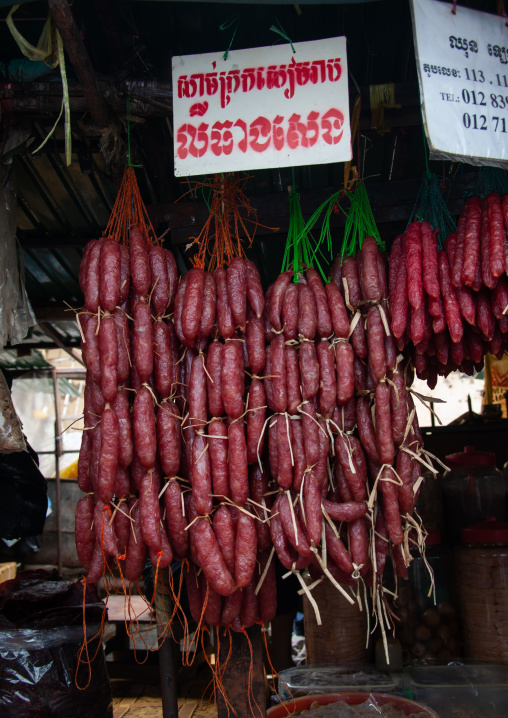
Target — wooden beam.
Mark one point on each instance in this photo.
(59, 313)
(80, 61)
(49, 330)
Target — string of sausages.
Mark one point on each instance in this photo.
(449, 305)
(224, 426)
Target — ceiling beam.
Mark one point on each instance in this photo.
(52, 333)
(80, 60)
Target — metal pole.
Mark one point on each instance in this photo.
(167, 663)
(58, 453)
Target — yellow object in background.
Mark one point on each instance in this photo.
(70, 472)
(496, 382)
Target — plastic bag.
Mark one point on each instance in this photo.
(38, 671)
(16, 314)
(11, 432)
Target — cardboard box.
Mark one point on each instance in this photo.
(7, 571)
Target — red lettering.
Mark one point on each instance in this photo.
(332, 123)
(334, 69)
(243, 144)
(222, 142)
(278, 133)
(260, 128)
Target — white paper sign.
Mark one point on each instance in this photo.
(262, 107)
(462, 62)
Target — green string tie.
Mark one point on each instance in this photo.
(280, 31)
(234, 19)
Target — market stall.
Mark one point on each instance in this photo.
(262, 371)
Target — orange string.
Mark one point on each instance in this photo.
(129, 211)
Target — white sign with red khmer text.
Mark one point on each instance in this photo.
(262, 107)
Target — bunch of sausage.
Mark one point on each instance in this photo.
(225, 426)
(449, 305)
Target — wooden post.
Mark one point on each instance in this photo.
(80, 61)
(243, 675)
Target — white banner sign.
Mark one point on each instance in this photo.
(462, 64)
(262, 107)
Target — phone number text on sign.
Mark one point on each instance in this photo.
(253, 115)
(465, 87)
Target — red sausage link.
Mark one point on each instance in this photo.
(298, 447)
(104, 532)
(485, 320)
(109, 282)
(238, 467)
(179, 303)
(254, 289)
(164, 557)
(122, 526)
(250, 606)
(163, 366)
(346, 511)
(277, 298)
(338, 312)
(284, 441)
(225, 321)
(277, 396)
(212, 602)
(290, 312)
(337, 551)
(399, 306)
(91, 348)
(160, 289)
(136, 548)
(224, 529)
(142, 341)
(384, 437)
(245, 549)
(414, 264)
(471, 241)
(213, 378)
(404, 469)
(307, 312)
(211, 559)
(169, 443)
(292, 527)
(176, 520)
(149, 509)
(258, 487)
(209, 307)
(309, 370)
(467, 305)
(233, 379)
(310, 429)
(327, 378)
(267, 594)
(366, 428)
(313, 512)
(83, 531)
(255, 420)
(359, 544)
(96, 569)
(197, 394)
(376, 341)
(108, 458)
(236, 279)
(85, 452)
(194, 597)
(324, 321)
(193, 303)
(140, 263)
(391, 506)
(451, 305)
(120, 405)
(122, 482)
(293, 391)
(218, 443)
(370, 271)
(398, 408)
(201, 475)
(350, 455)
(143, 421)
(172, 277)
(287, 556)
(125, 274)
(123, 366)
(496, 234)
(345, 372)
(92, 277)
(255, 342)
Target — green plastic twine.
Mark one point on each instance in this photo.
(491, 179)
(225, 26)
(298, 250)
(360, 222)
(280, 31)
(430, 205)
(129, 133)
